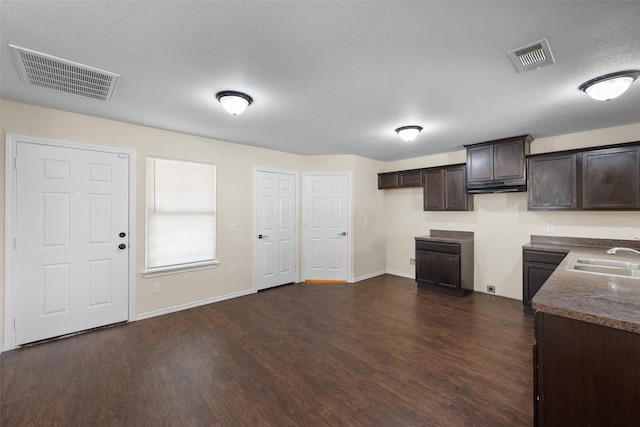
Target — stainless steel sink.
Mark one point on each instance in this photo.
(613, 271)
(608, 263)
(608, 267)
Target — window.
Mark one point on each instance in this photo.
(181, 214)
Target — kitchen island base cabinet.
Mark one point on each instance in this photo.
(585, 374)
(445, 267)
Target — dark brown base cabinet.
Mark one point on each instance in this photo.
(585, 374)
(537, 266)
(445, 267)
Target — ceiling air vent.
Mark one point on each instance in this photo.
(532, 57)
(40, 69)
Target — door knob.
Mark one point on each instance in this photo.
(262, 236)
(122, 234)
(122, 246)
(344, 233)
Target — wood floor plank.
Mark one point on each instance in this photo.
(376, 353)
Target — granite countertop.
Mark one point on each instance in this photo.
(607, 300)
(447, 236)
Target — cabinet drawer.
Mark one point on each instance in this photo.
(447, 248)
(544, 257)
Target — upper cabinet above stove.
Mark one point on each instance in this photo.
(498, 166)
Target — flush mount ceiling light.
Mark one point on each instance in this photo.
(610, 86)
(408, 133)
(234, 102)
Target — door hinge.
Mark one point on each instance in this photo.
(123, 155)
(15, 162)
(15, 243)
(14, 324)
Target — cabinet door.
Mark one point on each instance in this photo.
(426, 267)
(433, 189)
(610, 179)
(480, 163)
(553, 182)
(412, 178)
(388, 180)
(508, 160)
(449, 273)
(587, 373)
(455, 189)
(535, 274)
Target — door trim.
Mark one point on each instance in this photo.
(305, 236)
(254, 230)
(10, 205)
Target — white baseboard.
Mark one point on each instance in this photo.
(367, 276)
(397, 273)
(175, 308)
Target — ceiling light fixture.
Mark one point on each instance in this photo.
(408, 133)
(610, 86)
(234, 102)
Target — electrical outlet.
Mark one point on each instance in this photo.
(232, 271)
(626, 232)
(233, 226)
(549, 228)
(491, 289)
(157, 288)
(412, 261)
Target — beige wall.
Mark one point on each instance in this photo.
(235, 165)
(384, 223)
(501, 222)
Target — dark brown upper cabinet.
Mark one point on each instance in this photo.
(602, 178)
(388, 180)
(445, 189)
(408, 178)
(553, 182)
(611, 178)
(499, 165)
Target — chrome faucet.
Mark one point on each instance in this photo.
(616, 250)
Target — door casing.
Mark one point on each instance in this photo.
(11, 141)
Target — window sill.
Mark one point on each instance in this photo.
(178, 270)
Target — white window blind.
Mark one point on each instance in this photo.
(181, 214)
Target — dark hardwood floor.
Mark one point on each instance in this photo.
(375, 353)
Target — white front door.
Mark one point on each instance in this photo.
(326, 219)
(276, 226)
(71, 240)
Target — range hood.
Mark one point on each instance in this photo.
(511, 186)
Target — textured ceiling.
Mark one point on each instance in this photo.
(335, 77)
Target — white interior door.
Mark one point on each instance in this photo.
(71, 240)
(326, 219)
(276, 226)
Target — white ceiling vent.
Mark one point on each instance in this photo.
(40, 69)
(532, 57)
